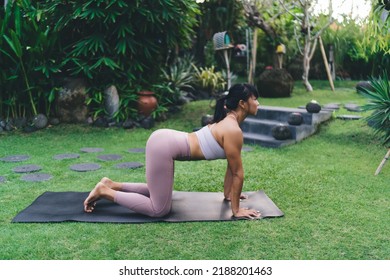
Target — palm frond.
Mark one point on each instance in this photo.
(378, 96)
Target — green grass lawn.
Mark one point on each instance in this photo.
(335, 208)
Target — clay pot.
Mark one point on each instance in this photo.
(147, 103)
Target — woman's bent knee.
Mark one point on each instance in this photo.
(160, 213)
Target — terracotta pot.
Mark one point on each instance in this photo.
(147, 103)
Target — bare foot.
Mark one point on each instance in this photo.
(111, 184)
(94, 195)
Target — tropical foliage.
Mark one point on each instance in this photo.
(210, 80)
(26, 52)
(104, 42)
(119, 41)
(176, 81)
(137, 44)
(378, 27)
(378, 95)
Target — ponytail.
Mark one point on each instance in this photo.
(230, 101)
(220, 111)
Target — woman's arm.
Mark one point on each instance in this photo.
(233, 141)
(228, 183)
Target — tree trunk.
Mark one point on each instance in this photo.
(306, 66)
(255, 18)
(252, 70)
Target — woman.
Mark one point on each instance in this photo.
(222, 139)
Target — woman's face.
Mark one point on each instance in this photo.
(252, 105)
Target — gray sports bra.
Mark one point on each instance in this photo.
(209, 146)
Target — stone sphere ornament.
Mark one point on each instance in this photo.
(40, 121)
(313, 107)
(281, 132)
(295, 119)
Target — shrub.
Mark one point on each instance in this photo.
(379, 102)
(105, 42)
(26, 53)
(176, 81)
(120, 42)
(209, 79)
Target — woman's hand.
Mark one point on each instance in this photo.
(247, 213)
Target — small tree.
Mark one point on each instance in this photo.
(307, 33)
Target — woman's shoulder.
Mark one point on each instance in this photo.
(228, 127)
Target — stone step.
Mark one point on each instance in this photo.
(258, 129)
(266, 140)
(263, 126)
(282, 114)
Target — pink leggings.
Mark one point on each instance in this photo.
(155, 197)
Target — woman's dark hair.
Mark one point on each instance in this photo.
(236, 93)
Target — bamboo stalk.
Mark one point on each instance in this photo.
(382, 162)
(253, 63)
(326, 64)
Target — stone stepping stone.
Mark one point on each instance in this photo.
(2, 179)
(83, 167)
(349, 117)
(15, 158)
(247, 149)
(27, 168)
(109, 157)
(91, 150)
(36, 177)
(65, 156)
(137, 150)
(128, 165)
(331, 106)
(352, 107)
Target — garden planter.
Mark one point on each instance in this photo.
(147, 103)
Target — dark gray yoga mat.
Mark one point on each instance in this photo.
(186, 207)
